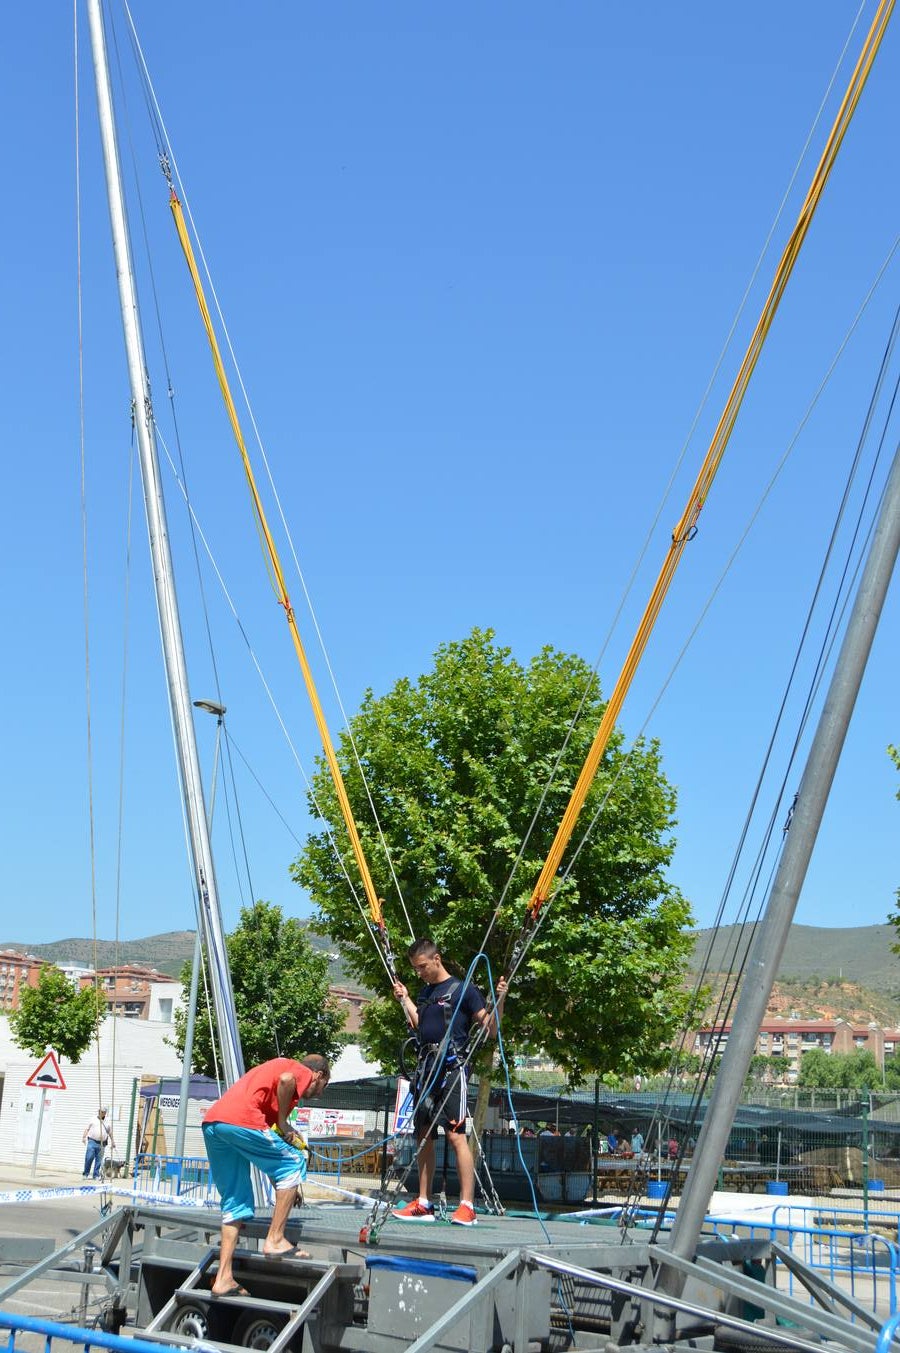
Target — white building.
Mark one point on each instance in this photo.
(129, 1051)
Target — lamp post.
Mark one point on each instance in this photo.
(211, 707)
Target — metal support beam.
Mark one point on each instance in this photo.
(772, 932)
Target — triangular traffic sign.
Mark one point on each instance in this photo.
(47, 1075)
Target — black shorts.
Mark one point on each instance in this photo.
(440, 1100)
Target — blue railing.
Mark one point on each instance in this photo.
(69, 1336)
(886, 1334)
(863, 1257)
(846, 1217)
(186, 1177)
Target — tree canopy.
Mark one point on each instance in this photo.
(54, 1014)
(280, 993)
(844, 1070)
(458, 763)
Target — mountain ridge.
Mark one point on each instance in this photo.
(167, 952)
(818, 961)
(859, 954)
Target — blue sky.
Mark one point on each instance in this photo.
(478, 263)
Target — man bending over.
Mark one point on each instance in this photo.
(249, 1126)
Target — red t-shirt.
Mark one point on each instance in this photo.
(252, 1101)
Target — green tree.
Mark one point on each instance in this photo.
(818, 1070)
(688, 1063)
(768, 1068)
(457, 764)
(54, 1014)
(280, 993)
(779, 1066)
(845, 1071)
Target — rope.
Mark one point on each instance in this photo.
(182, 480)
(120, 826)
(842, 597)
(280, 587)
(170, 168)
(627, 590)
(686, 527)
(259, 671)
(737, 549)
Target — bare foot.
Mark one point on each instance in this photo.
(285, 1251)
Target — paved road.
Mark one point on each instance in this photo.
(58, 1220)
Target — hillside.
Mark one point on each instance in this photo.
(821, 999)
(167, 953)
(860, 955)
(842, 973)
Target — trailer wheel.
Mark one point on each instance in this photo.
(190, 1319)
(257, 1331)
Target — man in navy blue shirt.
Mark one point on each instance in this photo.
(442, 1016)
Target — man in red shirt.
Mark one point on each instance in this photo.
(249, 1126)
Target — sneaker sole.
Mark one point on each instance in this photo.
(455, 1221)
(400, 1217)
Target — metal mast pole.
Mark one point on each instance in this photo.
(772, 932)
(207, 900)
(211, 707)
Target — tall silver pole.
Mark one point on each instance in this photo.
(191, 1019)
(772, 932)
(209, 918)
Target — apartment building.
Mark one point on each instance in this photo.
(16, 971)
(354, 1002)
(792, 1036)
(133, 990)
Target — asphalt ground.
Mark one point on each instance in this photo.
(31, 1225)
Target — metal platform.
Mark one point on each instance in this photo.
(510, 1284)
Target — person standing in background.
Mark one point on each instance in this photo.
(95, 1137)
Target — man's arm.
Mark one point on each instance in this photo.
(408, 1004)
(287, 1097)
(490, 1021)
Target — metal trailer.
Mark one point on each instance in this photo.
(509, 1285)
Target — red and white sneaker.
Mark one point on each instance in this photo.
(464, 1215)
(414, 1211)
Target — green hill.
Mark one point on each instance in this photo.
(167, 953)
(857, 954)
(816, 958)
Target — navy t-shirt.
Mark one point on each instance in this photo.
(448, 996)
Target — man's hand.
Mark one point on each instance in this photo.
(407, 1004)
(501, 989)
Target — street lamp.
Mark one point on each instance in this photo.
(210, 707)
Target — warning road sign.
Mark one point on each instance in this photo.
(47, 1075)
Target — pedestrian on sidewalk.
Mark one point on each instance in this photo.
(96, 1136)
